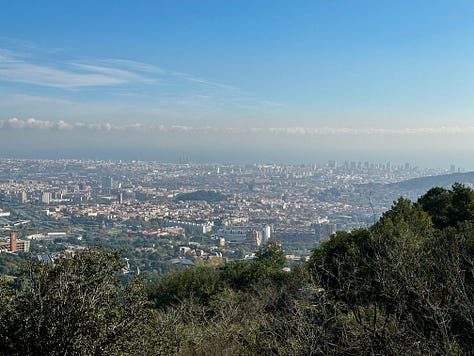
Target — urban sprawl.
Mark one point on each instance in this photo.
(164, 215)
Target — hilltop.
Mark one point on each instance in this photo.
(443, 180)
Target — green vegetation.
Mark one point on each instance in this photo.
(404, 286)
(205, 195)
(202, 284)
(75, 307)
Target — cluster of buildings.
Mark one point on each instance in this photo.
(296, 204)
(192, 227)
(239, 234)
(12, 244)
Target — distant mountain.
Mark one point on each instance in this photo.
(444, 180)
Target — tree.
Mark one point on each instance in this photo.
(269, 262)
(76, 306)
(197, 284)
(385, 285)
(462, 207)
(448, 208)
(437, 202)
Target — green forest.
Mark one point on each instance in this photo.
(205, 195)
(403, 286)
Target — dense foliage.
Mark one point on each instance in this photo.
(202, 284)
(76, 306)
(405, 285)
(402, 286)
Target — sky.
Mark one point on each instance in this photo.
(238, 81)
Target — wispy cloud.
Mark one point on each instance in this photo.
(138, 66)
(69, 76)
(73, 74)
(372, 131)
(146, 90)
(195, 79)
(35, 124)
(111, 72)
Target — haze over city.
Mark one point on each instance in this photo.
(238, 81)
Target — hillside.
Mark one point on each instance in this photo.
(444, 180)
(403, 286)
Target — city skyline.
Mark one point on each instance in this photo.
(238, 81)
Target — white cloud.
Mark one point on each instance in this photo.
(135, 65)
(126, 76)
(325, 131)
(194, 79)
(99, 72)
(31, 123)
(144, 90)
(22, 72)
(74, 74)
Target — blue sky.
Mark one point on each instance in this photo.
(238, 80)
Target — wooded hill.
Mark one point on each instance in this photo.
(404, 286)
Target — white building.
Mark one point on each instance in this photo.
(240, 233)
(193, 227)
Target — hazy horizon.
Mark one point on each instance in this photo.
(238, 81)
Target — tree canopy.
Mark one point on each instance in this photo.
(74, 306)
(405, 284)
